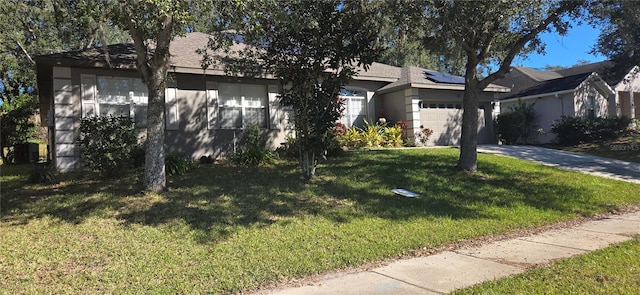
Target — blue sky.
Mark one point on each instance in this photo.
(565, 50)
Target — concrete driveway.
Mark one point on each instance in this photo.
(583, 163)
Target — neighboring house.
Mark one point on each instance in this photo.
(586, 90)
(207, 110)
(626, 86)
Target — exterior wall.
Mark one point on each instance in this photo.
(374, 107)
(581, 97)
(64, 120)
(393, 106)
(195, 137)
(190, 135)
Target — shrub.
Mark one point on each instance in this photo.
(393, 136)
(424, 134)
(507, 125)
(373, 135)
(352, 139)
(107, 144)
(576, 130)
(289, 149)
(252, 152)
(518, 124)
(177, 164)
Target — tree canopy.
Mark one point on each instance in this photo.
(619, 39)
(30, 28)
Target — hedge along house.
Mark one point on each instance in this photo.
(207, 110)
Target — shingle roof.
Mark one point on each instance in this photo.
(603, 68)
(553, 85)
(521, 78)
(417, 77)
(539, 75)
(186, 59)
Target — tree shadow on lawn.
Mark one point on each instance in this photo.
(221, 199)
(77, 197)
(218, 200)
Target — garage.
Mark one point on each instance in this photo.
(445, 119)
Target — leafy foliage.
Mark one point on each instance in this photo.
(177, 164)
(517, 124)
(253, 151)
(575, 130)
(313, 48)
(620, 34)
(373, 135)
(107, 144)
(16, 125)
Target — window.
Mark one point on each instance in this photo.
(120, 96)
(591, 106)
(355, 104)
(238, 105)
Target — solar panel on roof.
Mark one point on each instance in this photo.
(443, 77)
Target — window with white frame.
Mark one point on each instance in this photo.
(355, 107)
(241, 105)
(116, 96)
(121, 96)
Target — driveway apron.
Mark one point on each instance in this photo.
(582, 163)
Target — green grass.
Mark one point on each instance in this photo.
(223, 229)
(612, 270)
(626, 148)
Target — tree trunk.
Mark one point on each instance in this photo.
(468, 160)
(154, 170)
(308, 163)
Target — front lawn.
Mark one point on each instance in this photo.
(223, 229)
(612, 270)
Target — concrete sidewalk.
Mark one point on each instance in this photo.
(583, 163)
(451, 270)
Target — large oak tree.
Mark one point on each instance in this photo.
(487, 36)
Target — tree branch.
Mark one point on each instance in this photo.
(519, 44)
(26, 53)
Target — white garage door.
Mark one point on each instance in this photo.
(446, 123)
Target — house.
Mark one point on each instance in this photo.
(207, 110)
(586, 90)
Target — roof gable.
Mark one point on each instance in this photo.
(568, 83)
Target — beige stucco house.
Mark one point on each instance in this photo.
(585, 90)
(206, 110)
